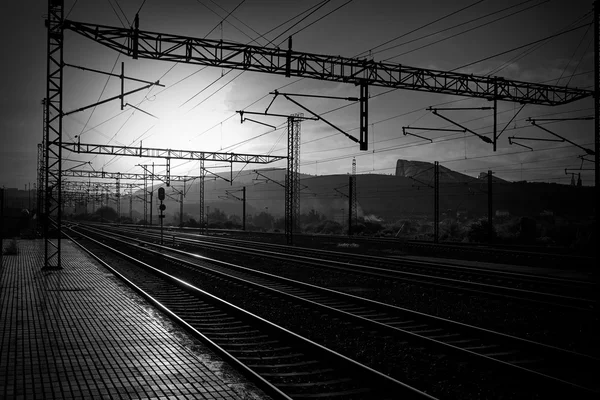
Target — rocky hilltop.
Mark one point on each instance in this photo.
(423, 171)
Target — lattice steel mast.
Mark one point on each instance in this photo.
(53, 132)
(292, 181)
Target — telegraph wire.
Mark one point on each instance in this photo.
(227, 16)
(579, 62)
(522, 46)
(419, 28)
(469, 30)
(573, 55)
(126, 19)
(534, 48)
(318, 19)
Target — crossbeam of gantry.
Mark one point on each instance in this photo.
(148, 152)
(273, 60)
(122, 175)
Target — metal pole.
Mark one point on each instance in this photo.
(495, 113)
(597, 138)
(244, 208)
(1, 227)
(161, 217)
(181, 210)
(151, 192)
(490, 209)
(436, 202)
(350, 200)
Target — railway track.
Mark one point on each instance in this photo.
(284, 364)
(525, 255)
(514, 356)
(556, 292)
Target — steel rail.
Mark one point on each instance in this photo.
(534, 348)
(358, 371)
(479, 288)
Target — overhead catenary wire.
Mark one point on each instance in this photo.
(528, 51)
(419, 28)
(468, 30)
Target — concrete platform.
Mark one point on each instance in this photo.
(78, 333)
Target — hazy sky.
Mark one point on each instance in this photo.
(205, 121)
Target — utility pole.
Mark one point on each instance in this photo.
(181, 210)
(436, 202)
(151, 192)
(131, 206)
(352, 200)
(597, 136)
(244, 208)
(490, 209)
(1, 227)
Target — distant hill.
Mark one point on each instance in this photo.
(387, 197)
(423, 171)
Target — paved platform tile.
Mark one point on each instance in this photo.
(78, 333)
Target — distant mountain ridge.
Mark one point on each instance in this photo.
(423, 171)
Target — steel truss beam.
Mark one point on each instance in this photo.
(121, 175)
(176, 48)
(88, 148)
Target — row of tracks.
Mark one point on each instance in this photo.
(552, 291)
(541, 365)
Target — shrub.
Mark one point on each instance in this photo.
(478, 231)
(12, 248)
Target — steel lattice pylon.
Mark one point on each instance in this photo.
(53, 133)
(292, 187)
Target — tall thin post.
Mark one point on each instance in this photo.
(353, 208)
(201, 219)
(244, 208)
(145, 197)
(364, 115)
(118, 194)
(436, 202)
(350, 201)
(292, 198)
(181, 210)
(151, 191)
(597, 127)
(131, 206)
(53, 133)
(490, 208)
(495, 114)
(1, 227)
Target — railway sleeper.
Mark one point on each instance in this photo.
(305, 384)
(270, 358)
(247, 344)
(267, 350)
(290, 365)
(301, 373)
